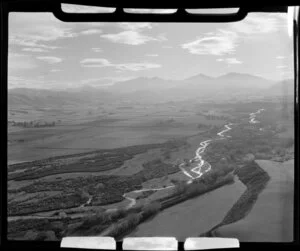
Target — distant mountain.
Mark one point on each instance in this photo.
(230, 80)
(199, 77)
(142, 83)
(158, 89)
(244, 80)
(36, 97)
(238, 76)
(39, 98)
(285, 87)
(153, 90)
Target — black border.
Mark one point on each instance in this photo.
(118, 16)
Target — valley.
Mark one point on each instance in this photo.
(112, 173)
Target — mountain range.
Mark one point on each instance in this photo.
(154, 90)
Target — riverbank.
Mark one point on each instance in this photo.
(193, 216)
(192, 170)
(198, 169)
(274, 207)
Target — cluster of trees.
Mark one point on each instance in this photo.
(41, 236)
(289, 142)
(95, 224)
(245, 141)
(207, 182)
(41, 229)
(215, 117)
(202, 126)
(46, 204)
(121, 222)
(205, 126)
(32, 124)
(165, 122)
(133, 219)
(255, 179)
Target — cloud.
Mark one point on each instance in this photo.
(233, 61)
(135, 26)
(229, 60)
(18, 61)
(34, 49)
(37, 30)
(102, 62)
(219, 43)
(280, 57)
(27, 42)
(91, 32)
(130, 37)
(256, 23)
(162, 37)
(95, 62)
(152, 55)
(225, 41)
(133, 34)
(95, 49)
(137, 66)
(50, 59)
(281, 66)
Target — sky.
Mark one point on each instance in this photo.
(45, 52)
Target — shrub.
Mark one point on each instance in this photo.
(128, 224)
(120, 213)
(30, 235)
(46, 236)
(150, 209)
(180, 187)
(288, 142)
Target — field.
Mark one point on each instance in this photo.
(139, 126)
(118, 172)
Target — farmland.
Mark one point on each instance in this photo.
(70, 181)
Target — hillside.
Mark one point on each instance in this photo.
(285, 87)
(39, 98)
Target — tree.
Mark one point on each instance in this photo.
(30, 235)
(180, 187)
(62, 215)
